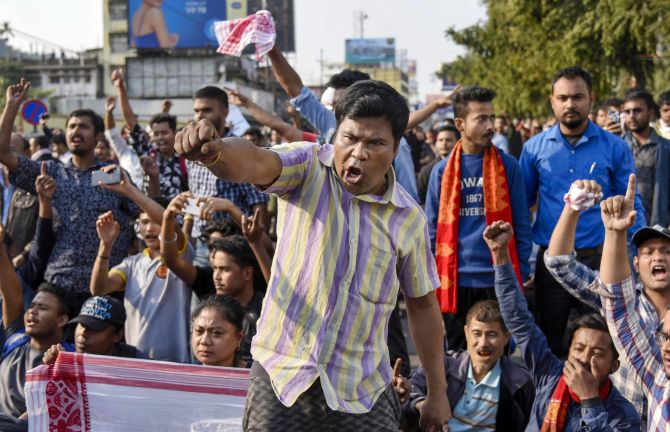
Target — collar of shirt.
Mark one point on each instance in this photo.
(39, 153)
(391, 195)
(492, 378)
(96, 164)
(653, 138)
(555, 134)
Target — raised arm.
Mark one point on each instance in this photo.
(126, 109)
(633, 341)
(288, 131)
(287, 77)
(533, 344)
(10, 286)
(130, 191)
(102, 281)
(172, 239)
(15, 95)
(232, 159)
(419, 116)
(254, 232)
(560, 259)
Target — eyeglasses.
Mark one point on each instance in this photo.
(661, 338)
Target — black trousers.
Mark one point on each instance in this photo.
(553, 304)
(454, 323)
(397, 344)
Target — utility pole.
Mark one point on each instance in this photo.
(359, 23)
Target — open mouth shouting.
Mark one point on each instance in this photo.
(353, 174)
(659, 272)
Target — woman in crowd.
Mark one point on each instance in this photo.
(218, 332)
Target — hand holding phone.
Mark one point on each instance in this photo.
(106, 177)
(193, 207)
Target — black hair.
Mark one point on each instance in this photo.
(238, 248)
(486, 311)
(254, 132)
(96, 120)
(466, 95)
(664, 98)
(593, 321)
(42, 141)
(164, 118)
(227, 306)
(212, 92)
(224, 225)
(24, 142)
(64, 307)
(449, 128)
(573, 72)
(641, 95)
(58, 139)
(374, 99)
(346, 78)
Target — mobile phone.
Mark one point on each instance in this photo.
(614, 116)
(192, 207)
(109, 177)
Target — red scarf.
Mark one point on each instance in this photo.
(497, 208)
(557, 410)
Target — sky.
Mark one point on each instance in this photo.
(418, 26)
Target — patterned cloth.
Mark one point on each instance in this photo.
(86, 393)
(340, 261)
(234, 35)
(244, 195)
(577, 279)
(637, 347)
(77, 204)
(496, 205)
(173, 175)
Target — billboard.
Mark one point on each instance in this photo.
(372, 52)
(161, 24)
(171, 77)
(156, 24)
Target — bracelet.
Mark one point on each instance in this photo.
(168, 242)
(188, 217)
(209, 164)
(103, 257)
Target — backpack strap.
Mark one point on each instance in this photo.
(13, 342)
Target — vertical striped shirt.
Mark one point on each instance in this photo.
(637, 346)
(340, 261)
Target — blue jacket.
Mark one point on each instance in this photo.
(615, 414)
(520, 212)
(324, 121)
(550, 165)
(516, 392)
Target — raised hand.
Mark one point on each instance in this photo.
(401, 385)
(167, 105)
(212, 205)
(177, 204)
(253, 230)
(45, 185)
(497, 235)
(124, 187)
(16, 93)
(150, 166)
(198, 141)
(110, 104)
(237, 99)
(618, 212)
(117, 77)
(108, 228)
(445, 100)
(51, 354)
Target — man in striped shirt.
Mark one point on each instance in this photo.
(647, 353)
(348, 238)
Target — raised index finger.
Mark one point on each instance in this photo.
(44, 168)
(630, 192)
(397, 367)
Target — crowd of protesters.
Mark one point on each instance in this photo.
(531, 258)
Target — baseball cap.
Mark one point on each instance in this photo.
(649, 232)
(99, 312)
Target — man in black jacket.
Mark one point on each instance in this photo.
(484, 387)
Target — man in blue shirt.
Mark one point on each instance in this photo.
(474, 114)
(574, 149)
(323, 119)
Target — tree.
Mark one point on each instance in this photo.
(517, 50)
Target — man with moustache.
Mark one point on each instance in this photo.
(652, 157)
(78, 201)
(467, 190)
(574, 149)
(647, 352)
(652, 263)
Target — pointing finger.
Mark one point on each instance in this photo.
(630, 192)
(397, 367)
(44, 168)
